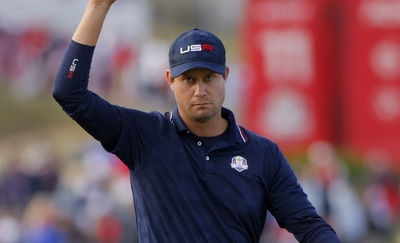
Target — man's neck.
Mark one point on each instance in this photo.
(211, 128)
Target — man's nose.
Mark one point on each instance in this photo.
(200, 88)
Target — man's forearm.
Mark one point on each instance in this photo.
(71, 81)
(89, 28)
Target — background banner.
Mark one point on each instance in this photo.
(289, 54)
(372, 78)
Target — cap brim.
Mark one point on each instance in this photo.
(215, 67)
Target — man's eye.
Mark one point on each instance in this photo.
(189, 80)
(209, 78)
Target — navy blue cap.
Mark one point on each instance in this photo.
(196, 49)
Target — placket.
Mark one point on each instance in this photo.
(197, 149)
(204, 156)
(210, 155)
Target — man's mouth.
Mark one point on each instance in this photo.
(201, 104)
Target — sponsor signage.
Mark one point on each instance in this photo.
(288, 70)
(372, 78)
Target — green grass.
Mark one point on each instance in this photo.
(19, 114)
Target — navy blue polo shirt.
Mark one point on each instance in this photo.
(188, 188)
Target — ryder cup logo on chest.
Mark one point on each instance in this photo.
(239, 163)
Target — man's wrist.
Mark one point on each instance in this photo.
(95, 5)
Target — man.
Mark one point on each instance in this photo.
(196, 175)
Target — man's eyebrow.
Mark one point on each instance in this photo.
(188, 74)
(211, 73)
(185, 75)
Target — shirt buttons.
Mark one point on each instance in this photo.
(187, 131)
(207, 158)
(199, 143)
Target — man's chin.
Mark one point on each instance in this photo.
(203, 116)
(201, 119)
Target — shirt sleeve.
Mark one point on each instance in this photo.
(98, 117)
(289, 205)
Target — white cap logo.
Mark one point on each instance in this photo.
(196, 47)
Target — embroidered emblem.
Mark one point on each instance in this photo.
(239, 163)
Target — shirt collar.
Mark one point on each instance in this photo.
(236, 132)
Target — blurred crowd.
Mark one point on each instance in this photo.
(44, 198)
(85, 196)
(30, 57)
(362, 204)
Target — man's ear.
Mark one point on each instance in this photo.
(170, 79)
(226, 73)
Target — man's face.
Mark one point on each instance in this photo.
(199, 94)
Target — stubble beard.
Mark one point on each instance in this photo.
(207, 116)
